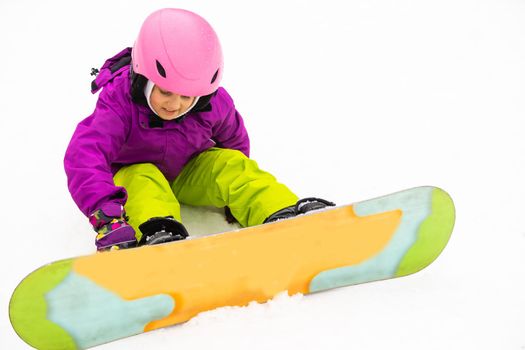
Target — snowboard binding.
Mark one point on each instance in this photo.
(159, 230)
(303, 206)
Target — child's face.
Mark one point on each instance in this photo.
(169, 105)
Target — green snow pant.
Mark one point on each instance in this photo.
(217, 177)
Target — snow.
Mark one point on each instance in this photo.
(345, 101)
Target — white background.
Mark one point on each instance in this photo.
(343, 100)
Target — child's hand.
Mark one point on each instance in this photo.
(113, 230)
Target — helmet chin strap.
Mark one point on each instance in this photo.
(148, 89)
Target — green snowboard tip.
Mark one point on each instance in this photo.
(433, 234)
(28, 309)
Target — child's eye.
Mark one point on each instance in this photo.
(165, 93)
(186, 97)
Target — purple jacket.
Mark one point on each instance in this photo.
(119, 133)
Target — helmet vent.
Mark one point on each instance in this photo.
(214, 77)
(161, 69)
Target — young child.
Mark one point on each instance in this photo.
(163, 132)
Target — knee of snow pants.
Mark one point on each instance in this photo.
(223, 177)
(217, 177)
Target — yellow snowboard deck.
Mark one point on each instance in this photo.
(86, 301)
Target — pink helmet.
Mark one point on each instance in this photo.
(179, 51)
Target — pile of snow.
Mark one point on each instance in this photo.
(275, 309)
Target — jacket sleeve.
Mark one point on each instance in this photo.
(87, 162)
(230, 131)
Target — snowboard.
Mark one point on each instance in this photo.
(86, 301)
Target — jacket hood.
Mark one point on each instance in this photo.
(110, 69)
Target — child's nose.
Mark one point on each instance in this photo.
(175, 101)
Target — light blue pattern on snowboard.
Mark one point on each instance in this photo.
(416, 205)
(93, 315)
